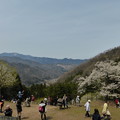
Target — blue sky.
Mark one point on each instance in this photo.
(76, 29)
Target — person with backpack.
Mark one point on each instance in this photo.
(42, 110)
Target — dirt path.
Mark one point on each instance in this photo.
(53, 112)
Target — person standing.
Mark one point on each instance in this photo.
(1, 104)
(78, 100)
(19, 108)
(32, 99)
(87, 108)
(117, 102)
(65, 101)
(42, 110)
(20, 95)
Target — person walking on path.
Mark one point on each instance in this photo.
(42, 110)
(87, 108)
(19, 108)
(105, 111)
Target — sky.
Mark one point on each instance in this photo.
(77, 29)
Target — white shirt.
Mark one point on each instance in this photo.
(87, 106)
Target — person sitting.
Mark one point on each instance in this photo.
(8, 111)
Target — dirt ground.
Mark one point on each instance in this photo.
(54, 113)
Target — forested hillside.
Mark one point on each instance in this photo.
(9, 80)
(99, 74)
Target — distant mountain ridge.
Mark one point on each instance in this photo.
(39, 69)
(43, 60)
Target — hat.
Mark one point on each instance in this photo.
(89, 100)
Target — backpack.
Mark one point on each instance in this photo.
(41, 109)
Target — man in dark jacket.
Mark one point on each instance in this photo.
(96, 115)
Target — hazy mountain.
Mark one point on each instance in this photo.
(43, 60)
(39, 69)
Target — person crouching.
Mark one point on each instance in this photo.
(8, 111)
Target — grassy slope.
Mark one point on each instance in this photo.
(73, 113)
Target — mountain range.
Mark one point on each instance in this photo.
(35, 70)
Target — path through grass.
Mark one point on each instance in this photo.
(72, 113)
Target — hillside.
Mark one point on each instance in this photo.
(9, 80)
(101, 73)
(39, 69)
